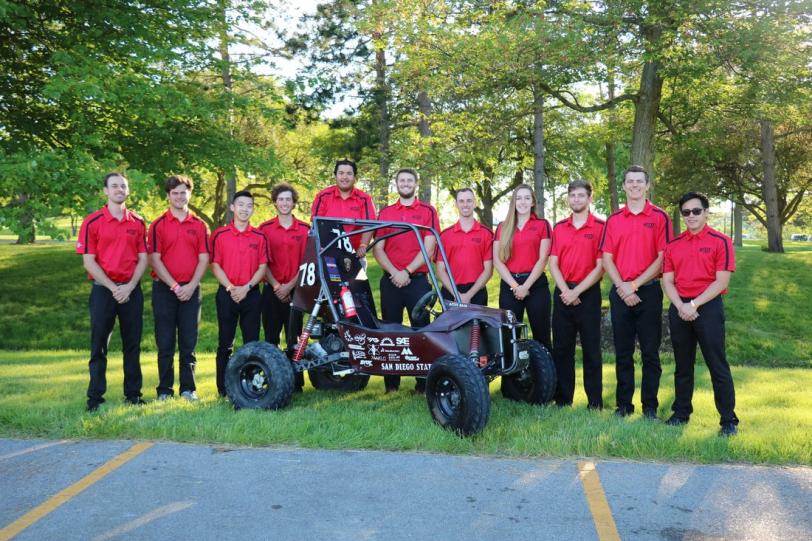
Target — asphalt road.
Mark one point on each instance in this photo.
(126, 490)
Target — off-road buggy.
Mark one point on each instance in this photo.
(343, 343)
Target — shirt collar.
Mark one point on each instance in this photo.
(127, 217)
(590, 221)
(236, 231)
(698, 236)
(189, 216)
(646, 209)
(458, 227)
(414, 204)
(295, 224)
(355, 193)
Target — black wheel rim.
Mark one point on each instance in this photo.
(254, 380)
(524, 383)
(449, 397)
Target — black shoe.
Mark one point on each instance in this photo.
(623, 411)
(594, 407)
(135, 401)
(674, 420)
(419, 392)
(650, 414)
(93, 406)
(297, 389)
(391, 390)
(728, 429)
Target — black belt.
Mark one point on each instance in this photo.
(413, 275)
(97, 283)
(650, 283)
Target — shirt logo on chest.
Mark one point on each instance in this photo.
(253, 246)
(705, 250)
(476, 240)
(191, 232)
(355, 208)
(131, 232)
(589, 236)
(649, 225)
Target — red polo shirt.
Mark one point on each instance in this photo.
(239, 253)
(180, 244)
(524, 251)
(694, 260)
(286, 247)
(467, 251)
(577, 249)
(634, 240)
(402, 249)
(115, 243)
(358, 205)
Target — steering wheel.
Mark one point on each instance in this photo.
(424, 304)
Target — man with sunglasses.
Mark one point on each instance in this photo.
(696, 273)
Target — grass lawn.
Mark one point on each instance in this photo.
(43, 304)
(42, 395)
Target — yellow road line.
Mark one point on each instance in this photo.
(32, 449)
(67, 494)
(598, 505)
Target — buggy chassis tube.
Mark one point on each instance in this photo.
(368, 226)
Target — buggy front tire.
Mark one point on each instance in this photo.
(259, 376)
(536, 383)
(457, 395)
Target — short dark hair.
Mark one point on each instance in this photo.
(176, 180)
(345, 162)
(242, 193)
(578, 184)
(282, 187)
(694, 195)
(635, 169)
(463, 190)
(408, 171)
(112, 174)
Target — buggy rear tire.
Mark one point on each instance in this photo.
(323, 379)
(536, 383)
(259, 376)
(457, 395)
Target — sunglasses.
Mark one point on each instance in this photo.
(688, 212)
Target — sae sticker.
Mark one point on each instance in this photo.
(332, 269)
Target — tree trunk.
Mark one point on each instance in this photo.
(381, 191)
(738, 219)
(485, 193)
(424, 108)
(611, 162)
(27, 232)
(676, 222)
(611, 176)
(769, 188)
(539, 178)
(645, 112)
(225, 69)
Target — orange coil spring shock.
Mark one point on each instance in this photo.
(474, 354)
(305, 336)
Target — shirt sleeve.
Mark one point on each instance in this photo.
(725, 256)
(264, 256)
(547, 231)
(598, 252)
(607, 244)
(664, 234)
(487, 247)
(668, 263)
(153, 243)
(498, 235)
(203, 241)
(143, 248)
(554, 247)
(86, 241)
(216, 255)
(370, 206)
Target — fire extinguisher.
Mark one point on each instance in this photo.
(347, 302)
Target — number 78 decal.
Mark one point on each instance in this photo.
(308, 273)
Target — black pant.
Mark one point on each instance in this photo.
(537, 304)
(229, 313)
(708, 330)
(643, 322)
(480, 297)
(585, 320)
(175, 316)
(103, 312)
(393, 301)
(277, 315)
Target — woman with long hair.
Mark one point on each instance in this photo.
(520, 252)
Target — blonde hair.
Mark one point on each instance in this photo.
(511, 220)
